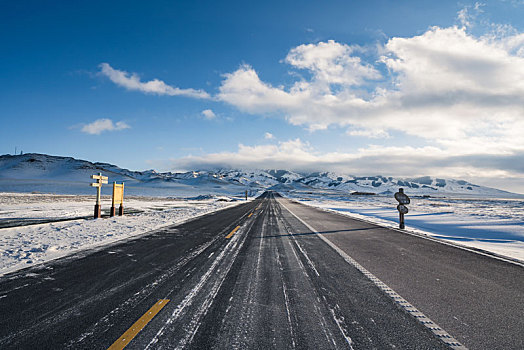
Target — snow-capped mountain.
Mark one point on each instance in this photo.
(14, 170)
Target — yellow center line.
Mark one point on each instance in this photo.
(250, 215)
(122, 342)
(233, 232)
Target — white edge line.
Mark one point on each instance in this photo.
(421, 235)
(413, 311)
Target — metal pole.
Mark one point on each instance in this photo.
(121, 209)
(112, 213)
(99, 190)
(98, 208)
(401, 225)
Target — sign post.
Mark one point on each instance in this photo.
(246, 195)
(98, 184)
(402, 199)
(118, 198)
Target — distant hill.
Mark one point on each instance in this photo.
(33, 171)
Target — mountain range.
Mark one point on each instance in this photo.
(47, 173)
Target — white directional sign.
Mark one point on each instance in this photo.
(100, 178)
(98, 184)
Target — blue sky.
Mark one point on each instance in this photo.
(401, 88)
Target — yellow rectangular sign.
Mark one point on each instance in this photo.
(118, 194)
(96, 184)
(98, 177)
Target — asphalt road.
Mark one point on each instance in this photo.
(268, 274)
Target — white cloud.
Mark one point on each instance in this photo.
(208, 114)
(101, 125)
(131, 81)
(245, 90)
(468, 14)
(463, 17)
(332, 63)
(441, 85)
(371, 133)
(268, 136)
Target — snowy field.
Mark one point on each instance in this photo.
(495, 225)
(25, 246)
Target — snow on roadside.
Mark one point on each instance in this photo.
(492, 232)
(25, 246)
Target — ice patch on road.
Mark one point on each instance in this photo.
(213, 279)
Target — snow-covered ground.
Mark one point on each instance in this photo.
(25, 246)
(495, 225)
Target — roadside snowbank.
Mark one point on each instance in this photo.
(25, 246)
(487, 225)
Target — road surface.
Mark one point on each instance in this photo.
(268, 274)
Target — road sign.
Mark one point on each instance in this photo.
(402, 198)
(118, 193)
(402, 209)
(98, 184)
(99, 177)
(118, 198)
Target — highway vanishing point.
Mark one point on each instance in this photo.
(267, 274)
